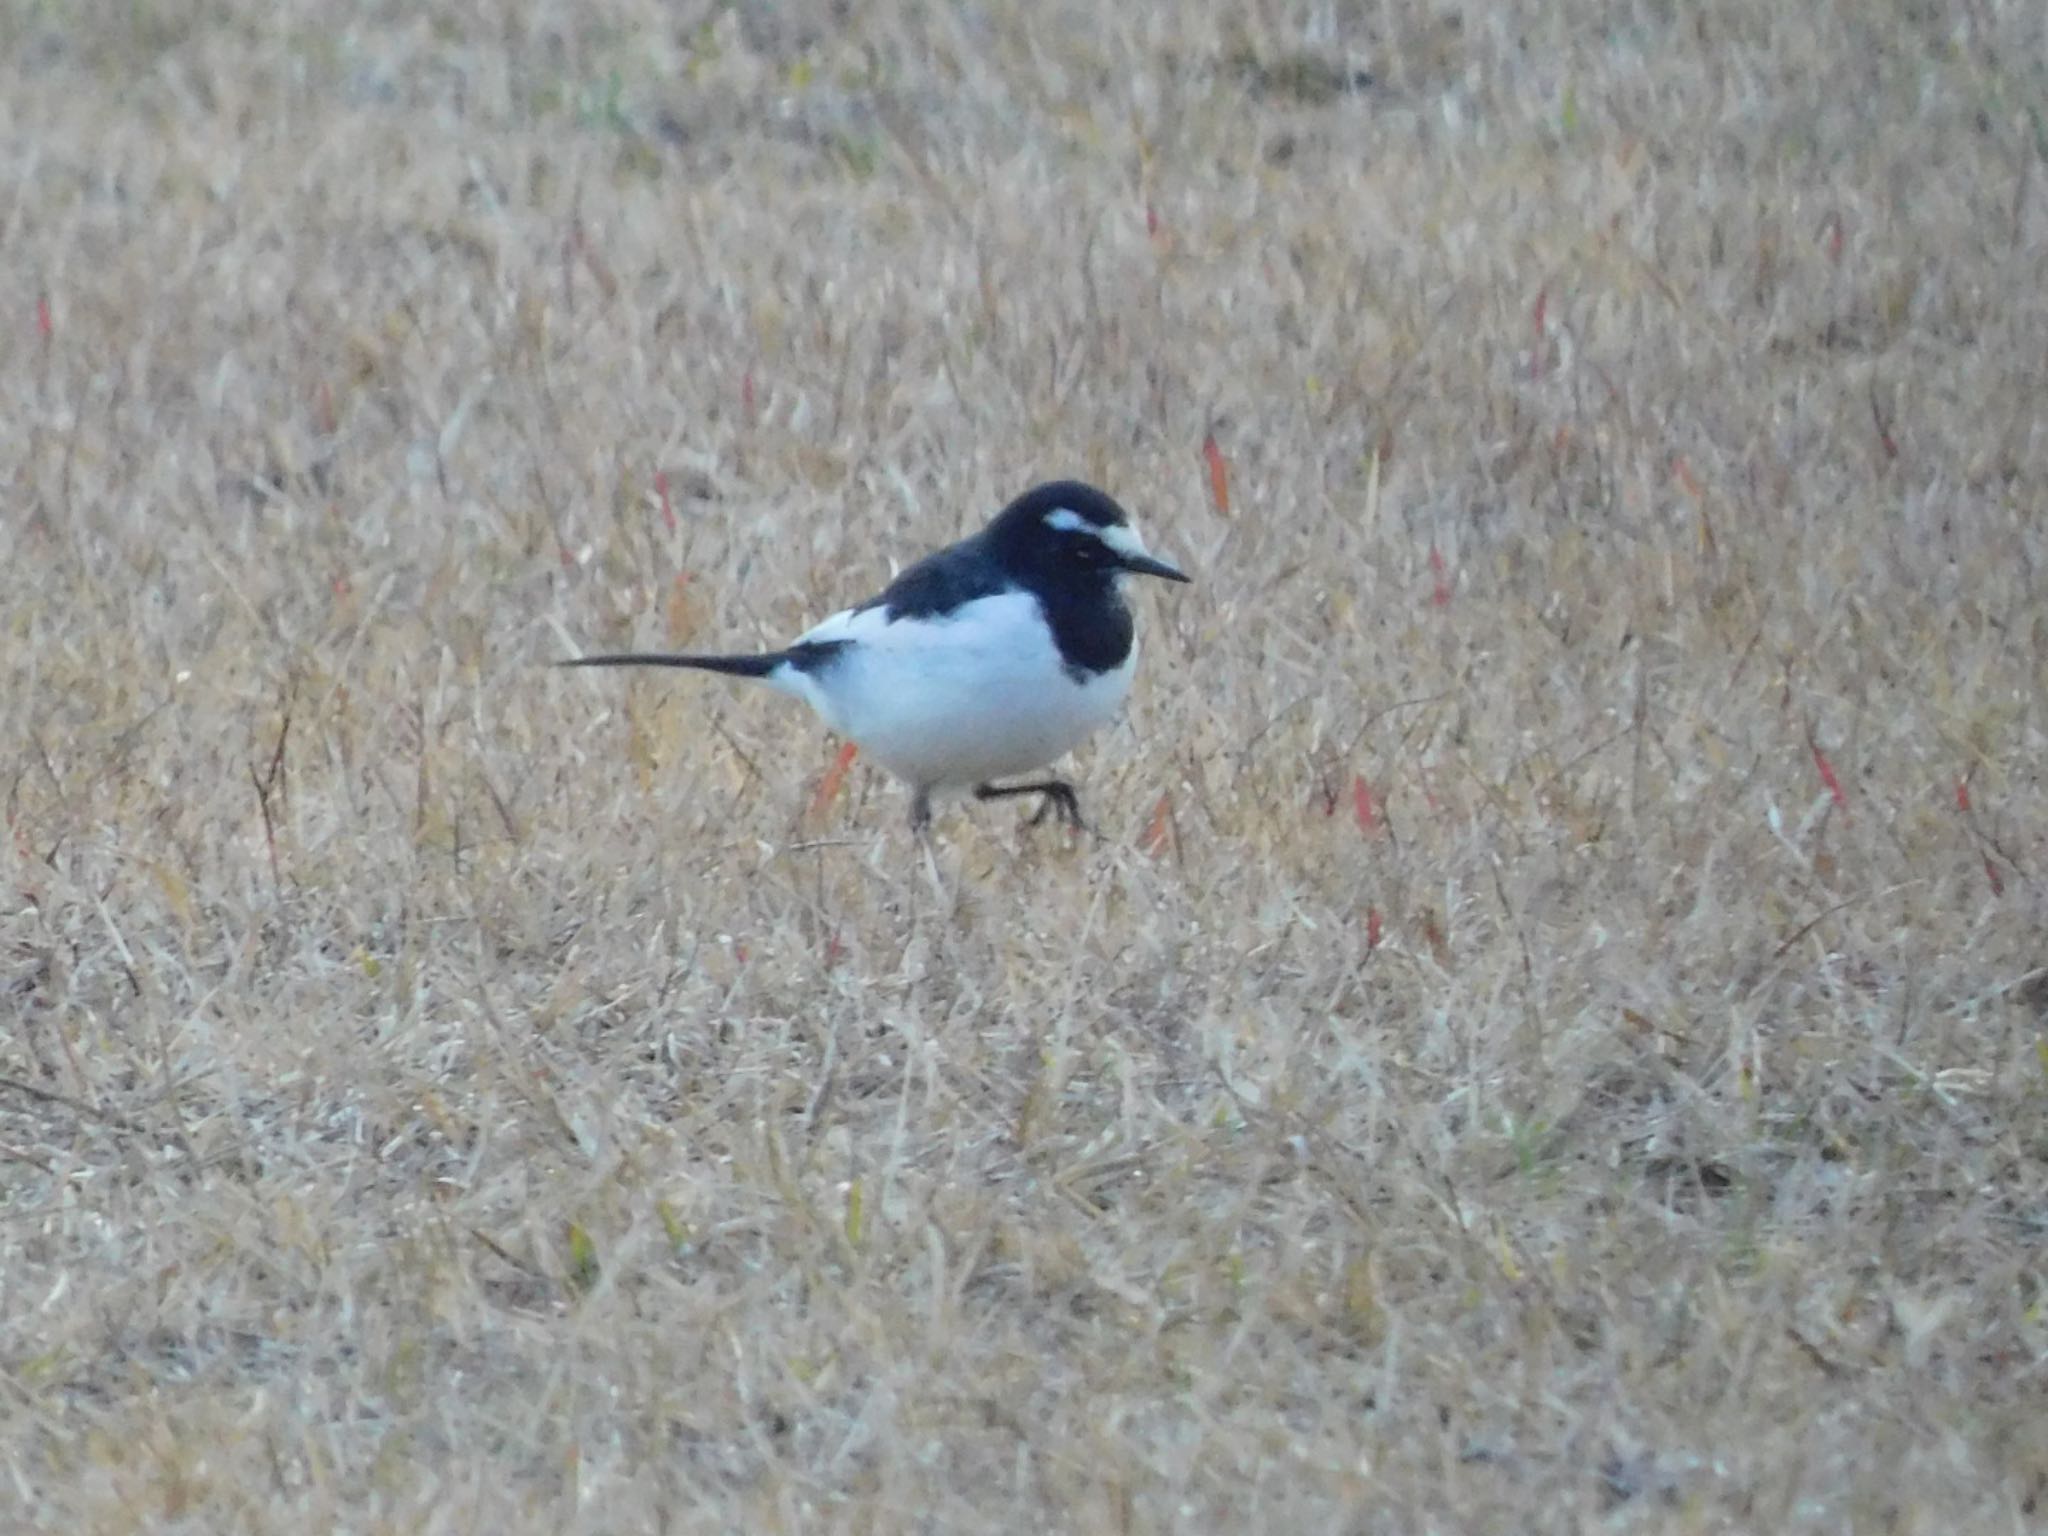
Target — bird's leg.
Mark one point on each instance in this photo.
(1053, 794)
(921, 830)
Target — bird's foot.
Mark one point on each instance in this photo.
(1053, 795)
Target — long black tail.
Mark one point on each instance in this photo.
(736, 666)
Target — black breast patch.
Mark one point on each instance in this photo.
(1092, 626)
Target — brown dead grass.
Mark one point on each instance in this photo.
(549, 1123)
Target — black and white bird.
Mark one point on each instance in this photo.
(985, 660)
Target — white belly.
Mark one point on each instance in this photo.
(953, 702)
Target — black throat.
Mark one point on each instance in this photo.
(1091, 625)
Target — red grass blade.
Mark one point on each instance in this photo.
(1362, 805)
(668, 511)
(1159, 830)
(828, 786)
(1373, 925)
(1439, 944)
(1440, 591)
(1219, 474)
(1827, 773)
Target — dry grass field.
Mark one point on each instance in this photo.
(1552, 1033)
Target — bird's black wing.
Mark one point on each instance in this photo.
(940, 583)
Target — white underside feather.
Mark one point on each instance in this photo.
(946, 703)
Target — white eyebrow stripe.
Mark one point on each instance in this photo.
(1124, 539)
(1120, 537)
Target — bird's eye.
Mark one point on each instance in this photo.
(1088, 552)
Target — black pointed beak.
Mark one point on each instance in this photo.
(1146, 565)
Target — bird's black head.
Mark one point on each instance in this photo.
(1069, 534)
